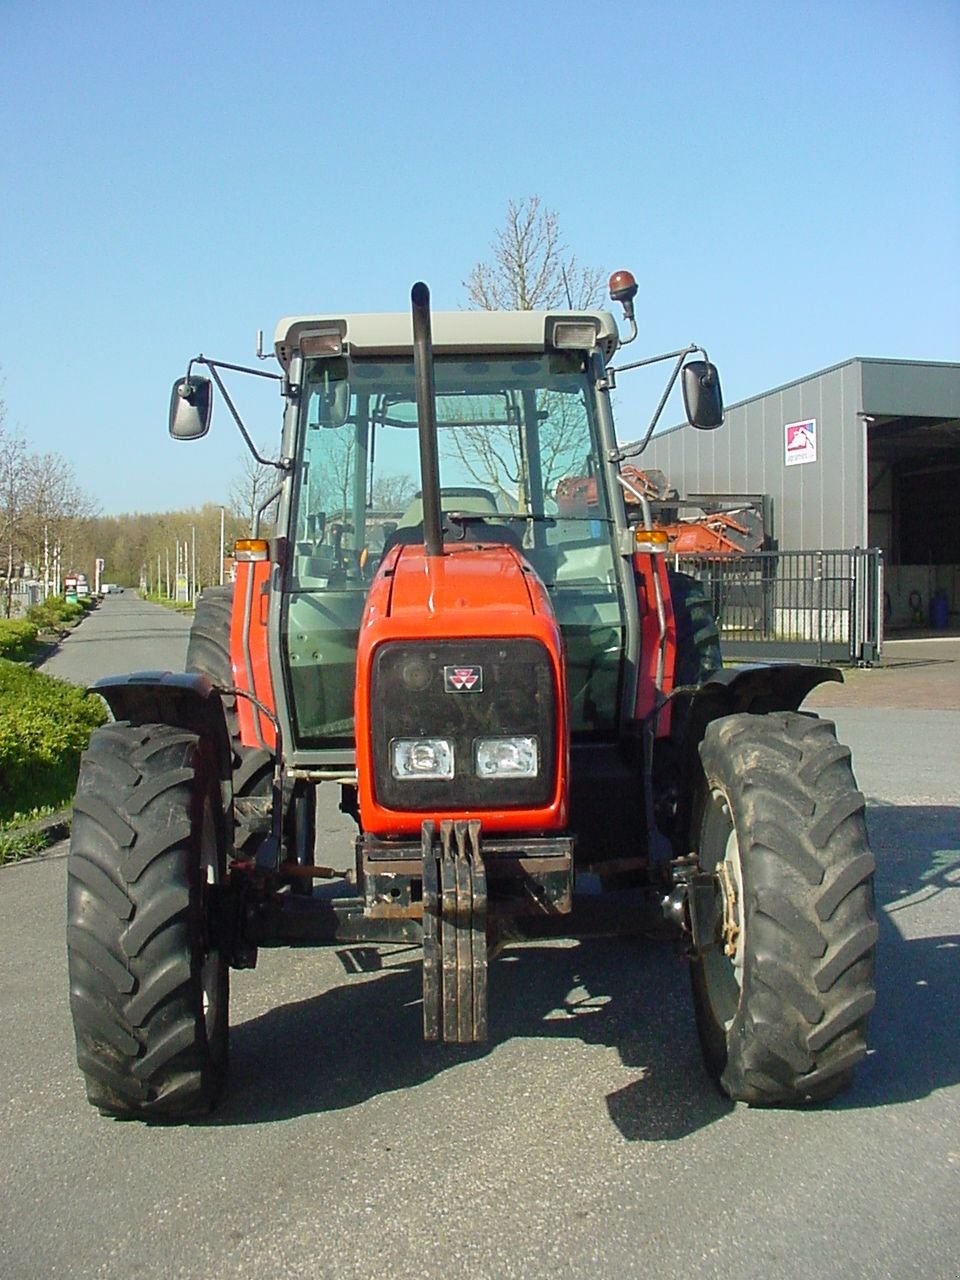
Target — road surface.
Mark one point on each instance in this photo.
(583, 1140)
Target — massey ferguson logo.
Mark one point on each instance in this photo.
(463, 679)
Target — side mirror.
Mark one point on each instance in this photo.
(702, 397)
(191, 407)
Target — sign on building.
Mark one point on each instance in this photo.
(800, 439)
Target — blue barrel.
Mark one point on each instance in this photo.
(939, 611)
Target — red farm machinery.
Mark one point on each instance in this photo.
(495, 670)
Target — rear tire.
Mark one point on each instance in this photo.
(698, 640)
(208, 649)
(208, 654)
(149, 985)
(782, 1012)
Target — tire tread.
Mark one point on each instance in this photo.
(133, 915)
(811, 932)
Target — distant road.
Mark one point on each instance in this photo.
(123, 634)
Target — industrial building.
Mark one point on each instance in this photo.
(863, 454)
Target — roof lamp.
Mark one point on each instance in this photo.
(321, 342)
(623, 287)
(576, 335)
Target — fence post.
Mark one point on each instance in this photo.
(818, 604)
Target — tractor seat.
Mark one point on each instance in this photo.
(475, 531)
(470, 501)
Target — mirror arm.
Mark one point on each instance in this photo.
(258, 514)
(213, 366)
(236, 368)
(618, 455)
(667, 355)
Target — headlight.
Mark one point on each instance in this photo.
(427, 758)
(507, 757)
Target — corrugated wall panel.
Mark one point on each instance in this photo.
(819, 504)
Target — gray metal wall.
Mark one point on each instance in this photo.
(816, 505)
(928, 389)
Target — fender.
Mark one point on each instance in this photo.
(249, 654)
(658, 648)
(765, 687)
(179, 698)
(755, 689)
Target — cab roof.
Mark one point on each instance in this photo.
(454, 332)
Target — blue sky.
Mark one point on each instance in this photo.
(782, 179)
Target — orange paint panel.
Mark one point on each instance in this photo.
(468, 593)
(646, 567)
(248, 652)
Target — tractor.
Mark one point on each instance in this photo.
(513, 692)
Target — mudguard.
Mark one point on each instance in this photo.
(757, 690)
(766, 686)
(179, 698)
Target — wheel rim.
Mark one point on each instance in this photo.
(723, 961)
(211, 967)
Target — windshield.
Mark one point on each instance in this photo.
(510, 431)
(518, 453)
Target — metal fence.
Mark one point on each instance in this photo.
(16, 597)
(823, 606)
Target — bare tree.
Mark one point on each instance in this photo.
(531, 268)
(252, 486)
(393, 492)
(40, 502)
(52, 503)
(13, 457)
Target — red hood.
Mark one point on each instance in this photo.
(493, 579)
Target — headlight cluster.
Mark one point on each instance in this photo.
(463, 724)
(433, 758)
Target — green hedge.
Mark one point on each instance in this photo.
(53, 613)
(45, 725)
(17, 637)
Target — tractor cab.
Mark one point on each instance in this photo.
(521, 407)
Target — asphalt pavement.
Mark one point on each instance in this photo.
(583, 1139)
(123, 634)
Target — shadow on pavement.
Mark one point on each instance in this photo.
(363, 1039)
(914, 1045)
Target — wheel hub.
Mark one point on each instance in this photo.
(730, 931)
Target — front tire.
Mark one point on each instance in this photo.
(149, 984)
(783, 989)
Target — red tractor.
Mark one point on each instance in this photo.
(512, 695)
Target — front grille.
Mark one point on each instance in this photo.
(462, 690)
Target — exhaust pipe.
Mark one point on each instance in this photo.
(426, 420)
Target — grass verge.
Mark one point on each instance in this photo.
(177, 606)
(45, 725)
(26, 835)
